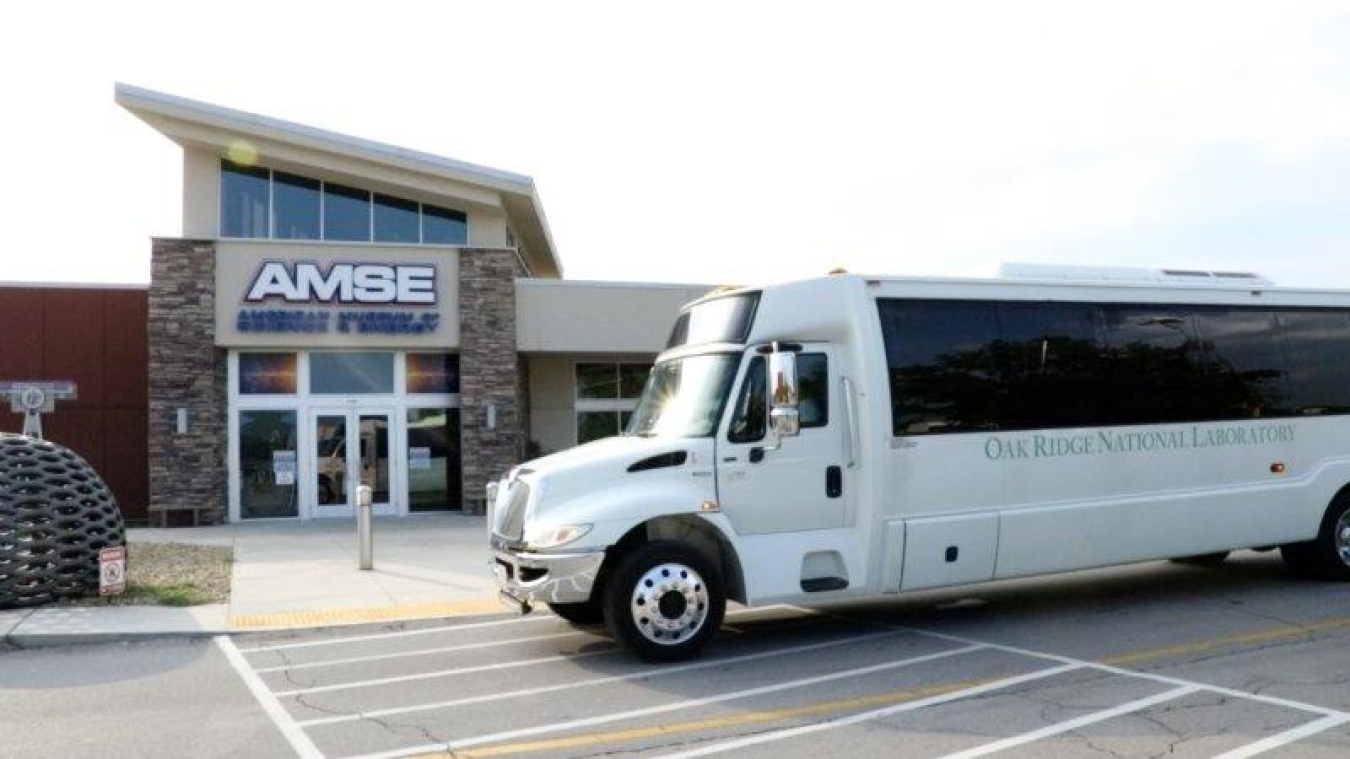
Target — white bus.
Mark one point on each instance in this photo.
(851, 437)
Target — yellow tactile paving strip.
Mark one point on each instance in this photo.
(349, 615)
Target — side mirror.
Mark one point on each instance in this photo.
(783, 415)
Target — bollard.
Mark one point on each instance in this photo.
(364, 527)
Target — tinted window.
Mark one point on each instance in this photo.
(1246, 375)
(295, 207)
(243, 201)
(395, 220)
(940, 357)
(432, 373)
(267, 373)
(1049, 363)
(351, 373)
(346, 213)
(1317, 347)
(749, 415)
(1154, 366)
(722, 320)
(813, 389)
(443, 226)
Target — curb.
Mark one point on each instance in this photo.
(303, 619)
(47, 640)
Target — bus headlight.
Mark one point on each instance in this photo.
(552, 536)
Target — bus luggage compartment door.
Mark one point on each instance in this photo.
(949, 550)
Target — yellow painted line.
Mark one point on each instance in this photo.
(825, 707)
(348, 615)
(716, 723)
(1242, 639)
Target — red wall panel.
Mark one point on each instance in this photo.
(97, 338)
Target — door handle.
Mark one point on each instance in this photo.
(834, 482)
(756, 455)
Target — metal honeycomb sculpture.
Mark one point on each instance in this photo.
(56, 513)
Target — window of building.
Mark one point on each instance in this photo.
(261, 203)
(267, 373)
(606, 394)
(432, 373)
(243, 200)
(442, 226)
(351, 373)
(295, 207)
(346, 213)
(267, 464)
(396, 220)
(433, 459)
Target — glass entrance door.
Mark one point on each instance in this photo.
(351, 448)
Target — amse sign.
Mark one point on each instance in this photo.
(344, 283)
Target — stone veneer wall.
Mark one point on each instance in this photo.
(187, 471)
(489, 370)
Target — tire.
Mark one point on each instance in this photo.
(583, 613)
(664, 601)
(1203, 560)
(1326, 557)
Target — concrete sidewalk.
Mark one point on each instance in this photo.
(301, 574)
(295, 575)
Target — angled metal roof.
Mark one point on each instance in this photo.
(520, 198)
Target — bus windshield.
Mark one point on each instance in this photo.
(684, 396)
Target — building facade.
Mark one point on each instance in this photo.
(341, 312)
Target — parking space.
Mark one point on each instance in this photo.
(1140, 661)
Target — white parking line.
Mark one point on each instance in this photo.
(420, 652)
(1074, 724)
(640, 674)
(689, 704)
(736, 614)
(444, 673)
(399, 634)
(1242, 694)
(1285, 738)
(293, 733)
(887, 711)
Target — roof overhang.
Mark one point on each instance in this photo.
(192, 123)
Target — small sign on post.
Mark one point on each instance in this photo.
(112, 571)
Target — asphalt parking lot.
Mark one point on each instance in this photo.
(1149, 660)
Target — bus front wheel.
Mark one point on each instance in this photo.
(664, 601)
(1327, 556)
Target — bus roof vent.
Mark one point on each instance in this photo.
(1070, 273)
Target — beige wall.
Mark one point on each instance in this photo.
(573, 316)
(553, 419)
(237, 262)
(201, 194)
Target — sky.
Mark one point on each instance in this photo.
(731, 142)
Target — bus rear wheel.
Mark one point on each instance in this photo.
(1326, 557)
(664, 601)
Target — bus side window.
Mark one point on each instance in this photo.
(751, 418)
(813, 389)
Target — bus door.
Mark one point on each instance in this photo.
(768, 485)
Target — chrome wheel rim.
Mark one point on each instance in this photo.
(1343, 538)
(669, 604)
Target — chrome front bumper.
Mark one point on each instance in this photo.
(526, 579)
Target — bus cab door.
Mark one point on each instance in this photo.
(767, 485)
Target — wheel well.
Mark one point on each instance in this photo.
(690, 530)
